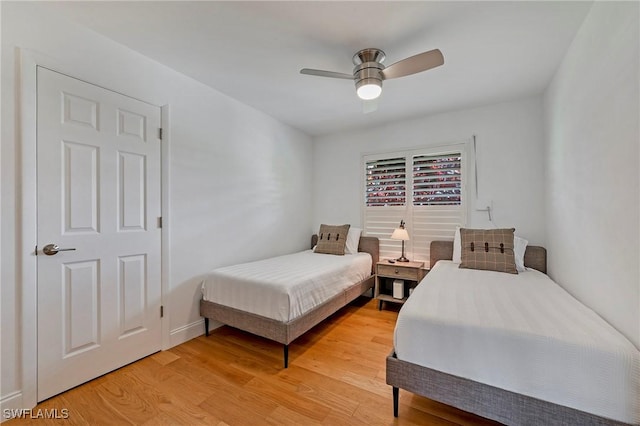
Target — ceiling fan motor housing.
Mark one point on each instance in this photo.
(369, 55)
(368, 67)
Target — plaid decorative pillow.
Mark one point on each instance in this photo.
(488, 249)
(332, 239)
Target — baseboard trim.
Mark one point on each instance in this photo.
(187, 332)
(8, 403)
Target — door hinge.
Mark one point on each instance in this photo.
(161, 311)
(160, 133)
(160, 222)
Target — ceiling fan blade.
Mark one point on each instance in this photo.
(321, 73)
(414, 64)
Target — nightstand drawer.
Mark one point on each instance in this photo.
(399, 272)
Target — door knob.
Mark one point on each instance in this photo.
(51, 249)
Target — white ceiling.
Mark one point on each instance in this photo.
(253, 51)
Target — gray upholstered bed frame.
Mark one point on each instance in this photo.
(287, 332)
(487, 401)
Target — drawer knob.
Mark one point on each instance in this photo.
(397, 271)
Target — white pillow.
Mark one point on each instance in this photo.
(519, 247)
(457, 247)
(353, 240)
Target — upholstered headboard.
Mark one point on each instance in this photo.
(534, 257)
(369, 245)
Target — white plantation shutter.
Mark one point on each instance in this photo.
(437, 180)
(433, 223)
(424, 188)
(380, 222)
(386, 182)
(385, 201)
(436, 199)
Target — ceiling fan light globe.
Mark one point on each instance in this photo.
(369, 90)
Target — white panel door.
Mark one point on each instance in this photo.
(99, 194)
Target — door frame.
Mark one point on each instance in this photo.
(26, 111)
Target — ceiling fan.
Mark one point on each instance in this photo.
(369, 72)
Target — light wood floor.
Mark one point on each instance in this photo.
(336, 376)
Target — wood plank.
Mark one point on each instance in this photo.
(341, 397)
(239, 408)
(124, 397)
(373, 412)
(285, 416)
(164, 357)
(292, 401)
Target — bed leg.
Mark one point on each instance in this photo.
(286, 356)
(206, 326)
(396, 395)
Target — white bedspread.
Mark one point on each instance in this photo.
(522, 333)
(285, 287)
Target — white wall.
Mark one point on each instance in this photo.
(510, 171)
(239, 180)
(592, 138)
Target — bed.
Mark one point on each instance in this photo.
(280, 319)
(487, 350)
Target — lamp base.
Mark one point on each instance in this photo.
(402, 258)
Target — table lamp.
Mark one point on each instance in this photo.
(401, 234)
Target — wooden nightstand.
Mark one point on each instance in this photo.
(410, 272)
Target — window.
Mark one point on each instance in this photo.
(386, 182)
(425, 188)
(437, 180)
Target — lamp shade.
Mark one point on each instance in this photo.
(400, 234)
